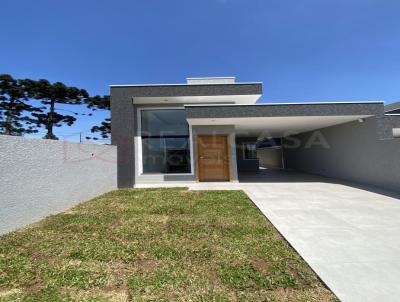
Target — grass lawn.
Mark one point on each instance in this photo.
(156, 245)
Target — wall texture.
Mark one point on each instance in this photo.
(122, 135)
(273, 110)
(42, 177)
(354, 153)
(189, 90)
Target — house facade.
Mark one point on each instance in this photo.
(213, 129)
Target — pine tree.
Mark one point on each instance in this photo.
(50, 95)
(15, 109)
(100, 103)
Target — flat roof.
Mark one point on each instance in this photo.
(182, 84)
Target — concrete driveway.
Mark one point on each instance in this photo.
(349, 236)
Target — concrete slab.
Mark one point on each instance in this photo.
(349, 236)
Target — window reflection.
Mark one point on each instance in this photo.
(165, 141)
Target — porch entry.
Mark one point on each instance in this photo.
(212, 158)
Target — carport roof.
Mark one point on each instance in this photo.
(284, 109)
(280, 119)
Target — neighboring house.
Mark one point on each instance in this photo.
(393, 111)
(393, 108)
(210, 129)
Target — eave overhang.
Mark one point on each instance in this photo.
(292, 109)
(192, 90)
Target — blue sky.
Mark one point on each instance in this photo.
(302, 50)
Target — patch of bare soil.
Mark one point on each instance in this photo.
(260, 264)
(146, 265)
(9, 292)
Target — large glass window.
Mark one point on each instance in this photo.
(165, 141)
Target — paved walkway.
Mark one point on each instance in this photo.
(349, 236)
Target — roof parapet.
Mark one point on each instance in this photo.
(210, 80)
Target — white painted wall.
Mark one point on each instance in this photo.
(210, 80)
(43, 177)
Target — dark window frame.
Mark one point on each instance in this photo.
(244, 155)
(143, 137)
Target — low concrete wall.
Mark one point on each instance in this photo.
(354, 153)
(42, 177)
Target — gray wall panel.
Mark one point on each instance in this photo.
(265, 110)
(355, 154)
(43, 177)
(122, 135)
(385, 125)
(191, 90)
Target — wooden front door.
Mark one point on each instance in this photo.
(212, 158)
